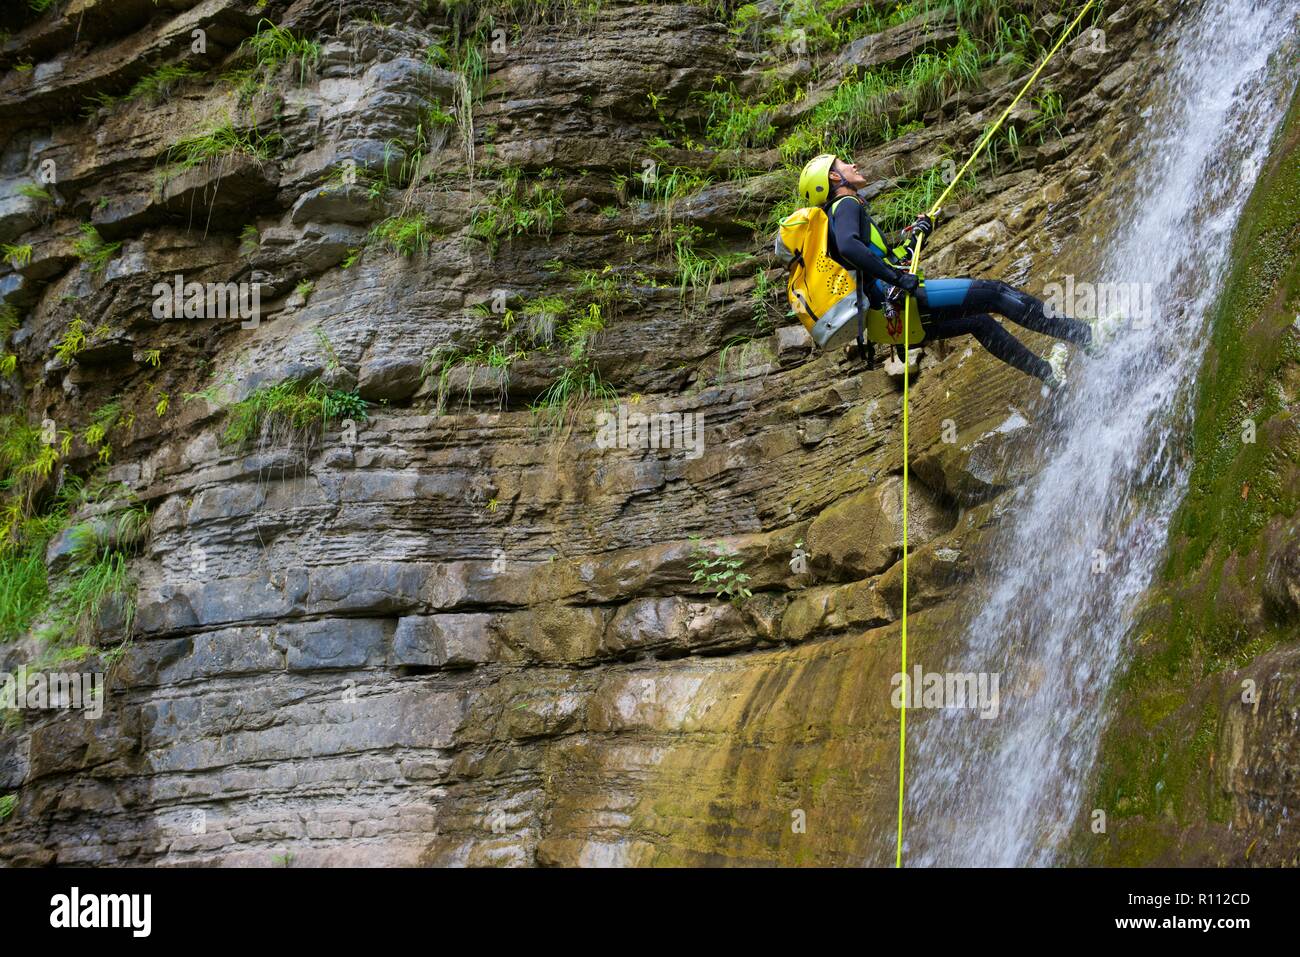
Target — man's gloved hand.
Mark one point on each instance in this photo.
(924, 225)
(907, 282)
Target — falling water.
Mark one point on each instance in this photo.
(1086, 535)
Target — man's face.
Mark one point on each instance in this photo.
(849, 175)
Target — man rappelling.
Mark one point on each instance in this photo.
(852, 242)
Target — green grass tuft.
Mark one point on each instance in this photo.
(273, 47)
(514, 209)
(859, 112)
(285, 413)
(221, 141)
(404, 234)
(93, 249)
(158, 85)
(38, 193)
(911, 197)
(17, 256)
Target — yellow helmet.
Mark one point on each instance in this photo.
(815, 180)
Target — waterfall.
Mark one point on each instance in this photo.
(1083, 540)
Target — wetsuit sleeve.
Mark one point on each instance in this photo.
(845, 223)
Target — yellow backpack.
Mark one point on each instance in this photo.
(824, 295)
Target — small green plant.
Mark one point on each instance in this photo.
(429, 134)
(496, 357)
(802, 20)
(719, 569)
(218, 143)
(38, 193)
(285, 413)
(96, 102)
(73, 341)
(158, 85)
(405, 235)
(742, 353)
(102, 422)
(862, 110)
(273, 47)
(765, 290)
(671, 184)
(16, 256)
(99, 572)
(1008, 139)
(26, 463)
(8, 320)
(439, 117)
(576, 388)
(580, 331)
(698, 271)
(27, 457)
(93, 249)
(899, 208)
(1013, 41)
(889, 131)
(332, 361)
(1051, 113)
(7, 805)
(735, 124)
(340, 404)
(24, 587)
(97, 578)
(250, 240)
(152, 357)
(304, 289)
(76, 338)
(514, 210)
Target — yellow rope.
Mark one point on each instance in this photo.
(907, 320)
(902, 720)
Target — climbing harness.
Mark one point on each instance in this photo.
(909, 308)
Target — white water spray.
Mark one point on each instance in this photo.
(1085, 537)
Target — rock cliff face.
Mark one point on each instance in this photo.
(455, 626)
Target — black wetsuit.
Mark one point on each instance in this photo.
(949, 307)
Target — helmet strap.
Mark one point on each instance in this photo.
(836, 190)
